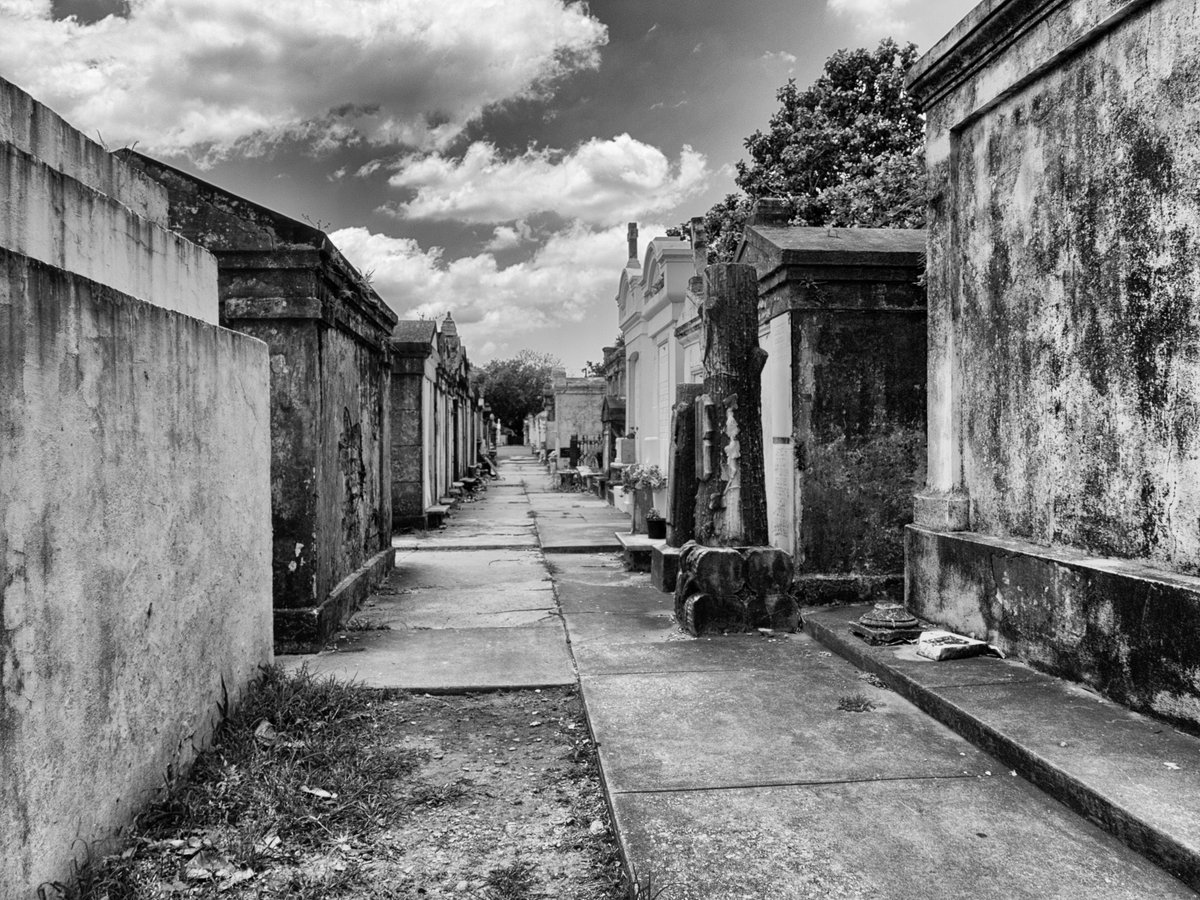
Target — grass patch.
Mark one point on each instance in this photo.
(321, 790)
(292, 771)
(855, 703)
(512, 882)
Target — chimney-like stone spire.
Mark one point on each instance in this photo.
(633, 240)
(448, 326)
(699, 244)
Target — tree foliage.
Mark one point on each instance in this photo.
(847, 151)
(514, 387)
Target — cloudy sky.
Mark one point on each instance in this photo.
(477, 156)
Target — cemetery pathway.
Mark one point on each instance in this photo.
(746, 766)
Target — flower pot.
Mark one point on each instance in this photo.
(656, 529)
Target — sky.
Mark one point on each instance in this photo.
(476, 157)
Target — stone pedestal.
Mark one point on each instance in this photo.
(643, 502)
(664, 567)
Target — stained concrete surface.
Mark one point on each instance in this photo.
(730, 768)
(691, 729)
(981, 837)
(456, 620)
(450, 660)
(1136, 774)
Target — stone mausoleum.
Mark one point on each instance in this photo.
(1060, 515)
(842, 319)
(285, 283)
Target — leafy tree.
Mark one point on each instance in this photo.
(514, 387)
(847, 151)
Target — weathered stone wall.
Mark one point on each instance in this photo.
(283, 282)
(356, 496)
(1063, 272)
(578, 403)
(1079, 270)
(410, 453)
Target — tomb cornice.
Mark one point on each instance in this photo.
(989, 32)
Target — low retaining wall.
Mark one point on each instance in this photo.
(1129, 630)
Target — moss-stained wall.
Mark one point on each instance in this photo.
(409, 453)
(860, 437)
(284, 282)
(1064, 377)
(1078, 208)
(355, 498)
(135, 541)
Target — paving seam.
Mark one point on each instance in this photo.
(1162, 849)
(763, 785)
(609, 797)
(487, 688)
(458, 548)
(680, 672)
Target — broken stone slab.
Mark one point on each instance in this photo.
(734, 588)
(939, 645)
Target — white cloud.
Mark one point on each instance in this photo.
(574, 273)
(509, 237)
(369, 168)
(211, 77)
(601, 181)
(876, 17)
(781, 56)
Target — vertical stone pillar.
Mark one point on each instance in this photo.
(682, 480)
(943, 505)
(731, 503)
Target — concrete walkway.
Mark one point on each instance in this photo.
(732, 764)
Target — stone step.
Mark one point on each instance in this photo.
(55, 219)
(1134, 776)
(637, 550)
(435, 516)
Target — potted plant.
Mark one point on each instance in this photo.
(656, 525)
(642, 481)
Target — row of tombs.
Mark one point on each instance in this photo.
(175, 473)
(212, 425)
(992, 421)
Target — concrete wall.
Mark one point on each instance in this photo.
(577, 406)
(1063, 272)
(134, 517)
(136, 550)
